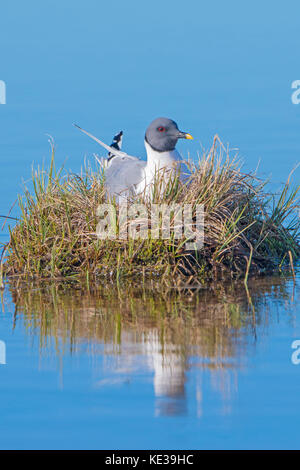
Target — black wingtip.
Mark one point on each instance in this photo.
(118, 136)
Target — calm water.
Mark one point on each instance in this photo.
(136, 368)
(133, 369)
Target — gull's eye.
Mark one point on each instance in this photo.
(161, 129)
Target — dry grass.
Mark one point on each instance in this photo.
(247, 231)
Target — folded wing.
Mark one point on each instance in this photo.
(123, 172)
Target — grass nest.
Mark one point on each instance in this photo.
(247, 230)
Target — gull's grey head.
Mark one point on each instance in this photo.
(162, 134)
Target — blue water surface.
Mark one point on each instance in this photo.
(214, 67)
(217, 376)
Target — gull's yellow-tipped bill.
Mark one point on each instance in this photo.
(189, 136)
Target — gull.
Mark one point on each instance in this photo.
(126, 175)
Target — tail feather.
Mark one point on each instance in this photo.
(116, 143)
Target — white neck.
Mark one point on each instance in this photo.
(161, 159)
(157, 161)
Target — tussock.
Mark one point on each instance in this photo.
(247, 230)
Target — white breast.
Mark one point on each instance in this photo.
(164, 163)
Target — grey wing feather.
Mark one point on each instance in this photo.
(123, 175)
(107, 147)
(123, 172)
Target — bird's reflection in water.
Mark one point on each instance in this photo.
(169, 333)
(170, 363)
(169, 368)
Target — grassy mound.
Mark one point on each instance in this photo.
(247, 231)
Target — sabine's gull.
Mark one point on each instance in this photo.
(126, 175)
